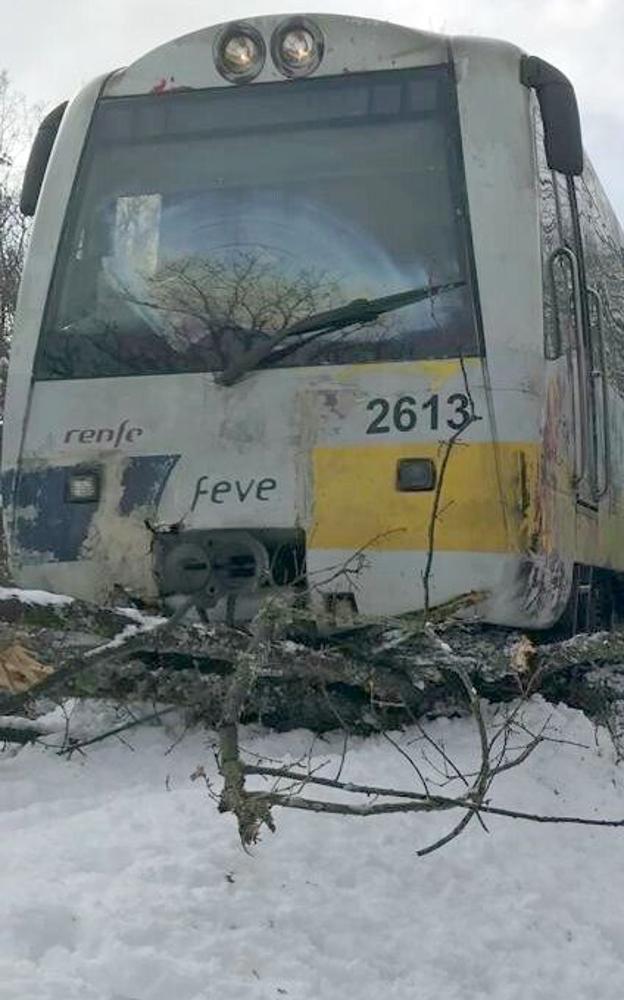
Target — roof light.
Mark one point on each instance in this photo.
(240, 53)
(297, 47)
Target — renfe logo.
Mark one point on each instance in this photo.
(104, 435)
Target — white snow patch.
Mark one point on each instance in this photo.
(288, 646)
(118, 640)
(121, 880)
(127, 632)
(141, 618)
(43, 597)
(35, 725)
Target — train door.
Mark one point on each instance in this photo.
(602, 263)
(583, 325)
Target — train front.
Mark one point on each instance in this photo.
(260, 365)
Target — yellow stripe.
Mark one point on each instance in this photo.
(436, 372)
(356, 503)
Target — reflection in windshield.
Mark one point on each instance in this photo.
(195, 237)
(350, 316)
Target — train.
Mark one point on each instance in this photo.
(327, 309)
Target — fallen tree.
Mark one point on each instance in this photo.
(373, 677)
(392, 670)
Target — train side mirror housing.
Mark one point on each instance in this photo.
(562, 127)
(38, 159)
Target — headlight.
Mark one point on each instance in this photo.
(186, 568)
(240, 53)
(297, 47)
(83, 486)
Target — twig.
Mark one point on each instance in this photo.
(114, 732)
(409, 759)
(448, 447)
(443, 841)
(435, 802)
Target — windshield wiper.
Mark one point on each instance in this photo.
(355, 312)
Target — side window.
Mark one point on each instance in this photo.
(605, 330)
(604, 270)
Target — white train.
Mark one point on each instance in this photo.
(325, 305)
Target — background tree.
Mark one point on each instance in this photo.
(17, 122)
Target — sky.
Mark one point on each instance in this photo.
(52, 47)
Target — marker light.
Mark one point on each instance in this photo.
(415, 475)
(240, 53)
(83, 487)
(297, 47)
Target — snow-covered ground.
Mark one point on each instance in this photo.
(41, 597)
(121, 880)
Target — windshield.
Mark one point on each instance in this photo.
(203, 223)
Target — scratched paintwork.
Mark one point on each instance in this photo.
(143, 482)
(46, 526)
(316, 425)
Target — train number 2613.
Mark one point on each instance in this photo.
(406, 413)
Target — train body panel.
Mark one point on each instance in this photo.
(473, 451)
(309, 462)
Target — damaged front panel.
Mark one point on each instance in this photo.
(106, 537)
(304, 495)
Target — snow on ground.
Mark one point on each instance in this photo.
(42, 597)
(141, 617)
(120, 880)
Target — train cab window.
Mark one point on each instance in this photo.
(203, 222)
